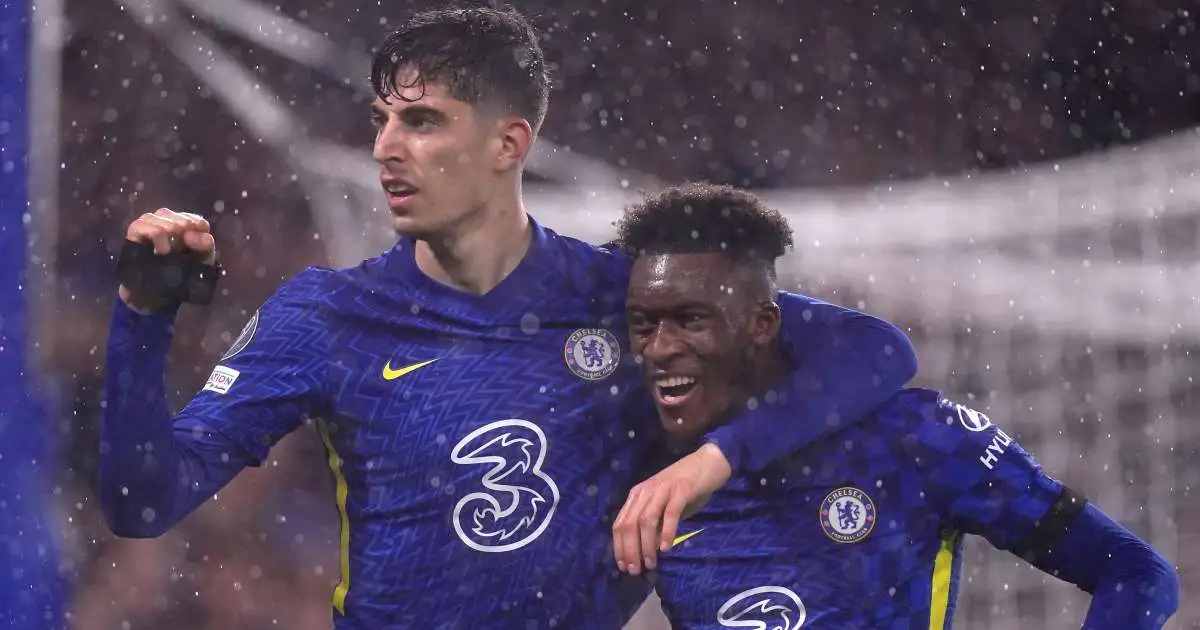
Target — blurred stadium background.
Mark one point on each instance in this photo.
(1015, 183)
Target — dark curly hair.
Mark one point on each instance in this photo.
(483, 56)
(704, 218)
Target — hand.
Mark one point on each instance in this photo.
(170, 232)
(650, 518)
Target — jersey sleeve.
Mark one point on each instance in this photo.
(981, 481)
(272, 377)
(154, 468)
(846, 364)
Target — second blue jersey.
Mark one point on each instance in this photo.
(862, 530)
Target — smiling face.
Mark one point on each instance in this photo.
(698, 322)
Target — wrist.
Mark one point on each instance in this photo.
(141, 306)
(717, 467)
(729, 442)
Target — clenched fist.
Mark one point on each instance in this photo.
(169, 231)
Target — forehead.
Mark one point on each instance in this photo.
(412, 92)
(682, 276)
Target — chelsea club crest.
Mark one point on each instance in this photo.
(847, 515)
(592, 353)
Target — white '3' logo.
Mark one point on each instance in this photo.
(773, 607)
(518, 499)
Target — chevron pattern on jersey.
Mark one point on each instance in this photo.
(919, 464)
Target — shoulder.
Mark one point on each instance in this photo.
(379, 274)
(815, 311)
(937, 431)
(307, 291)
(387, 264)
(308, 283)
(888, 430)
(943, 423)
(920, 412)
(607, 255)
(914, 416)
(913, 406)
(595, 270)
(316, 290)
(292, 313)
(800, 298)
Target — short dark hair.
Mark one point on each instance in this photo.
(699, 218)
(481, 55)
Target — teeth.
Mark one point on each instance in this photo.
(675, 381)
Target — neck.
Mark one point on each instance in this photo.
(479, 253)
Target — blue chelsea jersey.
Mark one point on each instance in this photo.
(476, 441)
(479, 443)
(862, 530)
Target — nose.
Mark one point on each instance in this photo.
(663, 343)
(391, 144)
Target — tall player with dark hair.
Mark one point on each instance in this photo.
(471, 385)
(864, 528)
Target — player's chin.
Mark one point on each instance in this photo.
(681, 428)
(407, 225)
(684, 419)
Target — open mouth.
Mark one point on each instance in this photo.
(674, 390)
(398, 194)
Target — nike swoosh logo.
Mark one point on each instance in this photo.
(679, 539)
(390, 375)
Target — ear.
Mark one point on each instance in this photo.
(515, 138)
(764, 326)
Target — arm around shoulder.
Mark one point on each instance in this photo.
(846, 364)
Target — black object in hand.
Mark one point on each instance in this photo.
(174, 277)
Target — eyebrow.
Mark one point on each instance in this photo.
(673, 309)
(412, 110)
(425, 110)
